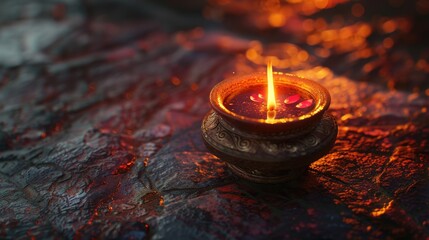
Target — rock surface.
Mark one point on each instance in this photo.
(101, 104)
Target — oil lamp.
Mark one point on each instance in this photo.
(268, 127)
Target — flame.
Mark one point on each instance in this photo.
(271, 100)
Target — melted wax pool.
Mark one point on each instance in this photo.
(252, 102)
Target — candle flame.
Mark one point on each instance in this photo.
(271, 100)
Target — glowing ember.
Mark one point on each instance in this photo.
(380, 211)
(305, 104)
(292, 99)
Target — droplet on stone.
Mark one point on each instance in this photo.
(305, 104)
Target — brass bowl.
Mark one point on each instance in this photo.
(283, 126)
(269, 152)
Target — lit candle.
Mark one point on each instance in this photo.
(280, 100)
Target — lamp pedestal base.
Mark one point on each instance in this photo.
(271, 158)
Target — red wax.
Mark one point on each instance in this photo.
(252, 102)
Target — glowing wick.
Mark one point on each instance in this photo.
(271, 100)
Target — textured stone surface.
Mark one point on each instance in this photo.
(101, 104)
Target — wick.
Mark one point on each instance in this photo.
(271, 115)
